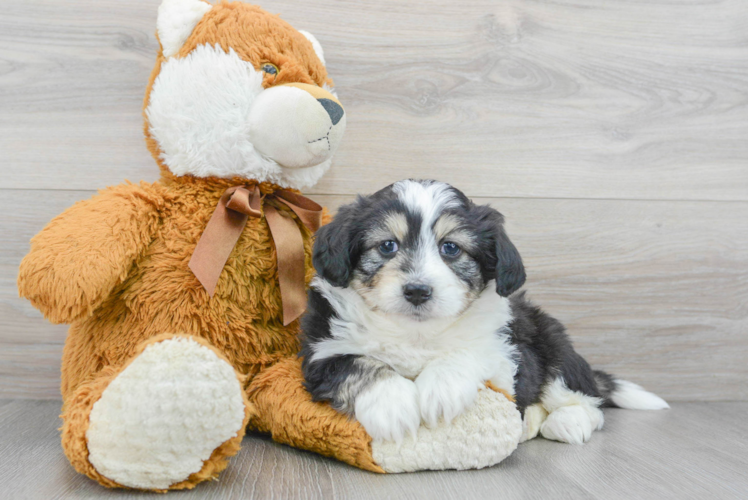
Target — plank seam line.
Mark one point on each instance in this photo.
(479, 197)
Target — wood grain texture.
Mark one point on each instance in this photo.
(695, 450)
(568, 99)
(612, 135)
(653, 291)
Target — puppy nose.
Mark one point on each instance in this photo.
(417, 294)
(333, 109)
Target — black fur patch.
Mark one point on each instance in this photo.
(337, 379)
(546, 353)
(323, 378)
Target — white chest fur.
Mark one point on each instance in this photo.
(479, 336)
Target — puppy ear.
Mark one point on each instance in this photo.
(335, 254)
(510, 271)
(503, 262)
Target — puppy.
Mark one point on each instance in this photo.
(412, 312)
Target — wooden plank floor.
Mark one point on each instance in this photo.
(693, 451)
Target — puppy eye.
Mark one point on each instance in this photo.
(388, 247)
(450, 249)
(270, 69)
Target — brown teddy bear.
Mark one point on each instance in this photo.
(183, 295)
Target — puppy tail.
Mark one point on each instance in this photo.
(624, 394)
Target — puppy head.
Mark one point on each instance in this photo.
(419, 249)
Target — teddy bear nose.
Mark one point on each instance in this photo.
(333, 109)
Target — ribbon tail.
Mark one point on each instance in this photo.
(216, 243)
(308, 211)
(289, 248)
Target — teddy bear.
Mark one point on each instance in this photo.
(183, 295)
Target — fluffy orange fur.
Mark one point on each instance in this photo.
(115, 268)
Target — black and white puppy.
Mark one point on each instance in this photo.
(410, 314)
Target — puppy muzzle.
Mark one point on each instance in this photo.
(296, 124)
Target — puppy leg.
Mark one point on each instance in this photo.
(383, 401)
(535, 415)
(447, 386)
(572, 415)
(388, 408)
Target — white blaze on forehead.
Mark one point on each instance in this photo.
(428, 198)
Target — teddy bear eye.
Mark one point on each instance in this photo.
(270, 69)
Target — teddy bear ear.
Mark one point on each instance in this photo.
(176, 20)
(317, 46)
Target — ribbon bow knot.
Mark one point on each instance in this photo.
(236, 205)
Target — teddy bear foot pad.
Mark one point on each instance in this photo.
(163, 416)
(483, 436)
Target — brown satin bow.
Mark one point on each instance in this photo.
(226, 225)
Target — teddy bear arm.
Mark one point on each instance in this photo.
(286, 411)
(82, 254)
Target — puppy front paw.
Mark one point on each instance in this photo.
(388, 409)
(444, 393)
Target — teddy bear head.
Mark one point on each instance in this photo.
(239, 93)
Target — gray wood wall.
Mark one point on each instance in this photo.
(612, 134)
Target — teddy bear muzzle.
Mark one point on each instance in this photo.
(297, 125)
